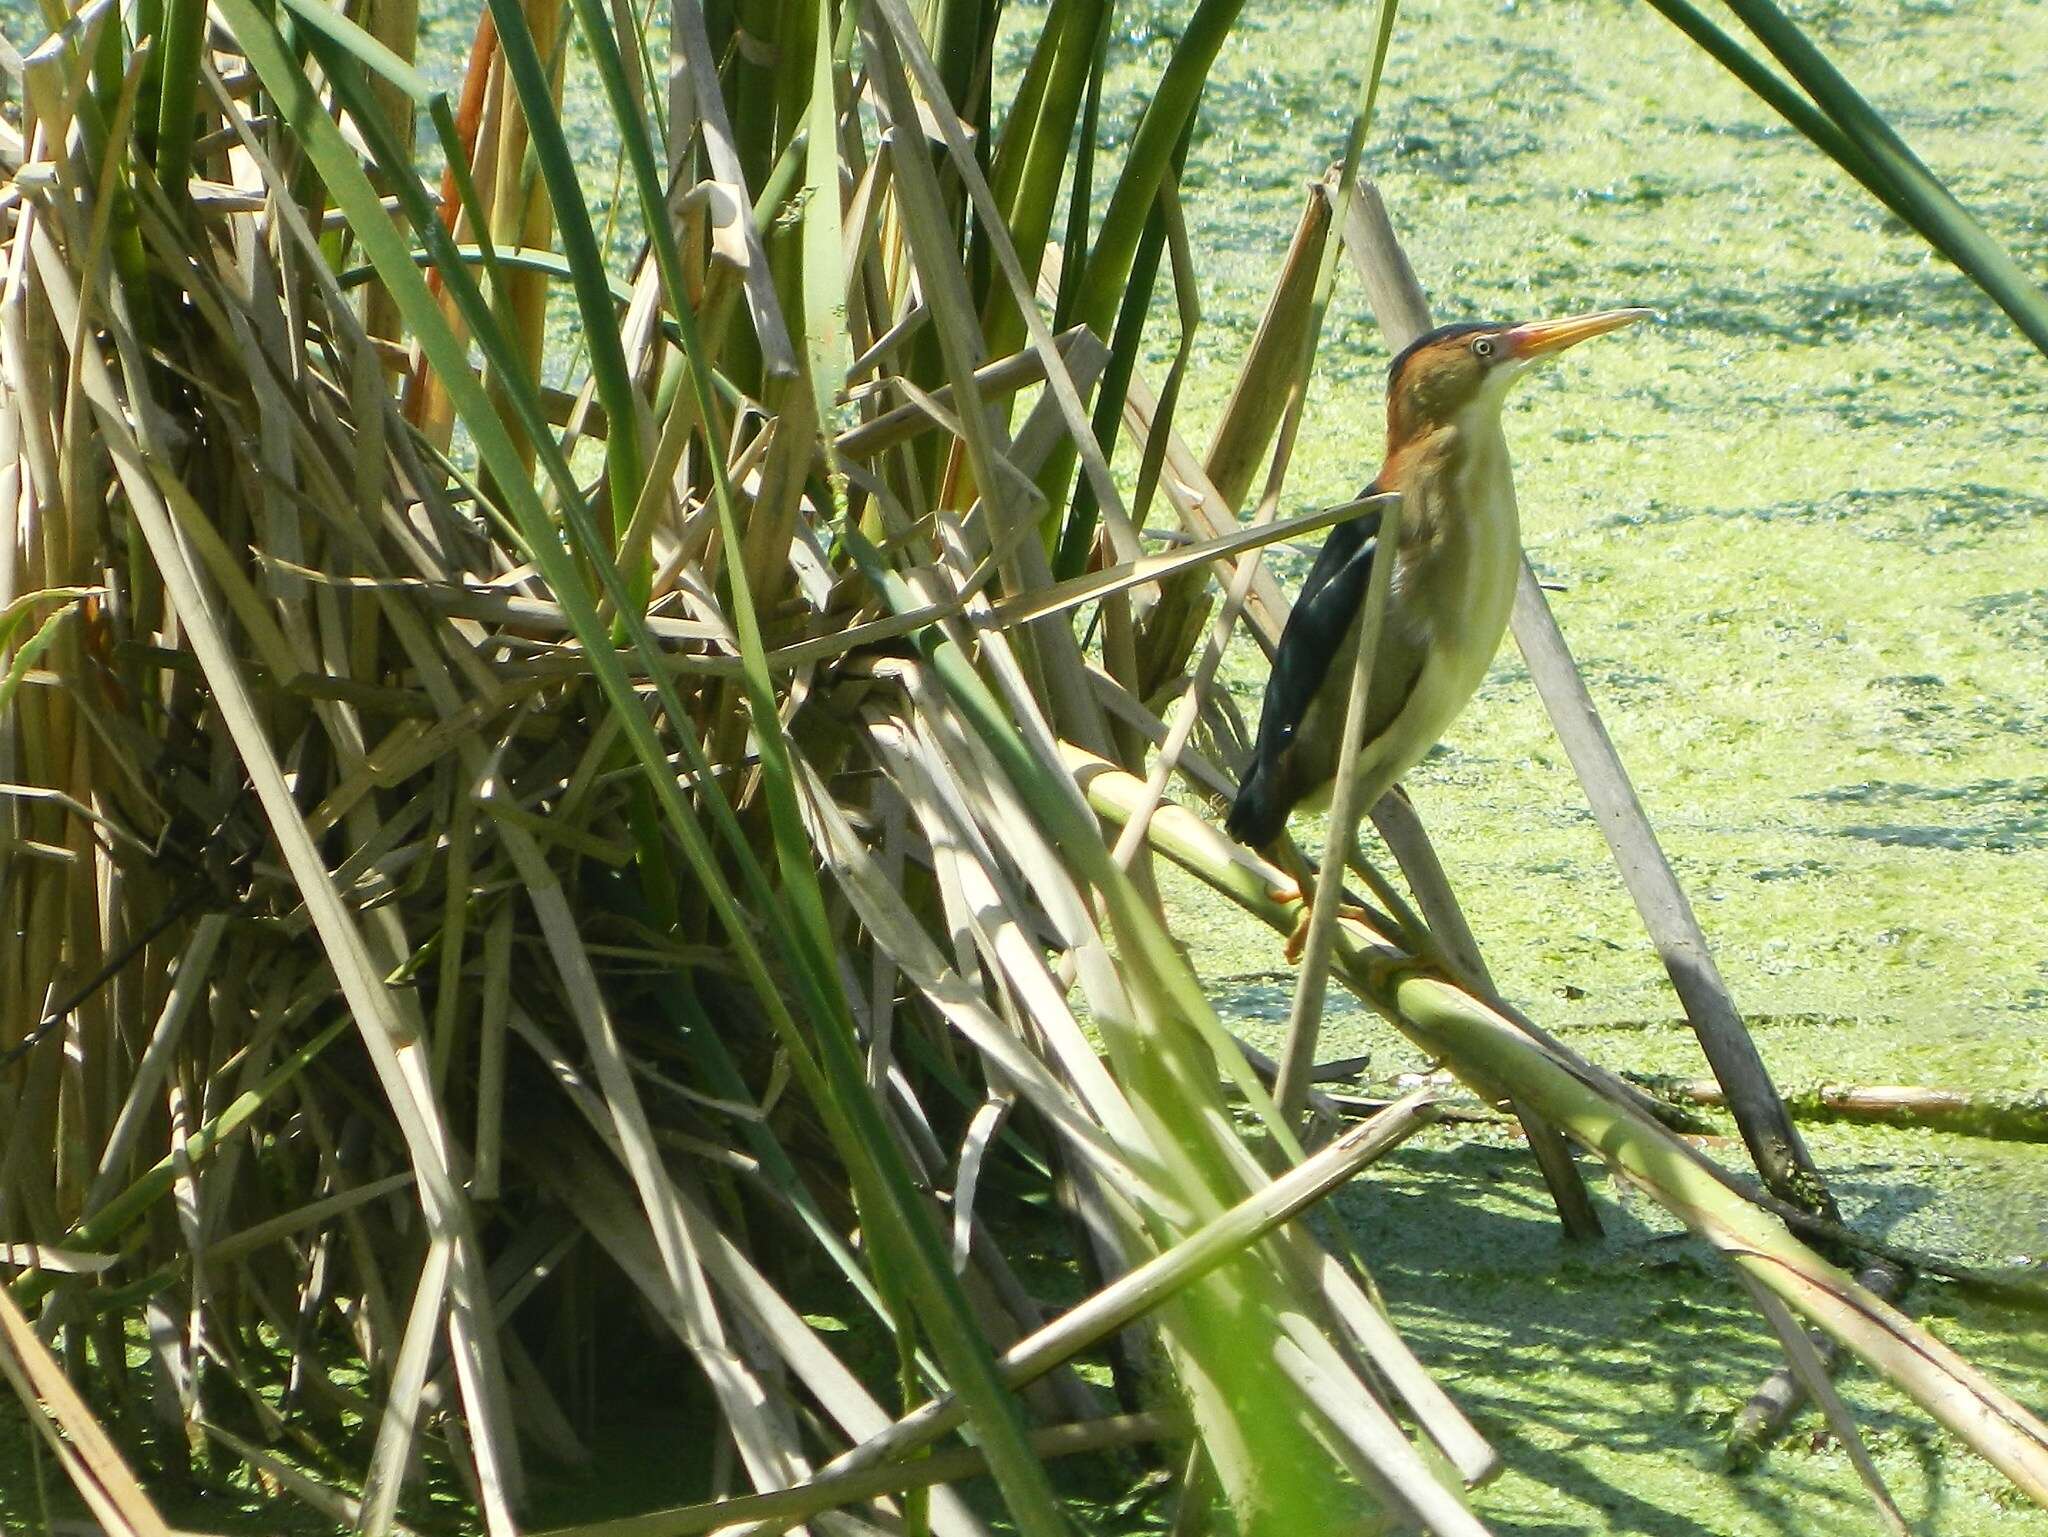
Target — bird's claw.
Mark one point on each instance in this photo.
(1297, 941)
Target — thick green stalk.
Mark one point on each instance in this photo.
(624, 461)
(1502, 1060)
(1077, 536)
(957, 31)
(756, 81)
(1928, 204)
(1081, 195)
(1038, 135)
(1160, 131)
(178, 92)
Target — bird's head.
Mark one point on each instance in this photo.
(1443, 373)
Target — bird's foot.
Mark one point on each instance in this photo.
(1297, 941)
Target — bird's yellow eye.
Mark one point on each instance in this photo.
(1484, 347)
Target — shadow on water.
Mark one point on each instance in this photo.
(2023, 615)
(1794, 313)
(2020, 820)
(1938, 518)
(1607, 1374)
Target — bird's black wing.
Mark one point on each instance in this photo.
(1315, 630)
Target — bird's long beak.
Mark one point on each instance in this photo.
(1541, 338)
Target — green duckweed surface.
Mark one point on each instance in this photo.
(1801, 526)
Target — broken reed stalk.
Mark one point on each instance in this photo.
(2017, 1117)
(1761, 1116)
(1781, 1157)
(1499, 1059)
(1806, 1363)
(1767, 1411)
(1305, 1014)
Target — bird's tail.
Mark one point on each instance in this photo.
(1258, 815)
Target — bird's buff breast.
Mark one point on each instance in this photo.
(1467, 585)
(1453, 598)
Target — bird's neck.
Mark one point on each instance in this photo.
(1415, 416)
(1443, 466)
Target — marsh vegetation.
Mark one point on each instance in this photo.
(683, 1011)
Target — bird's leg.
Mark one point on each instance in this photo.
(1301, 888)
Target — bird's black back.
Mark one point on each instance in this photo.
(1314, 633)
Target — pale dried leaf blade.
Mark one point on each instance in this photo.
(88, 1456)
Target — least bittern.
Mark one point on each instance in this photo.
(1454, 577)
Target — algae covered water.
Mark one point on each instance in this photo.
(1800, 525)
